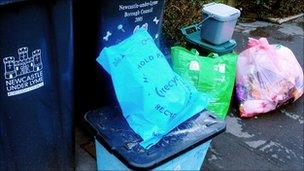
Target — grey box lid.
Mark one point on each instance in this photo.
(221, 12)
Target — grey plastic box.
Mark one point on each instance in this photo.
(219, 22)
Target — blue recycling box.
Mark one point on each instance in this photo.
(184, 148)
(36, 75)
(219, 22)
(103, 23)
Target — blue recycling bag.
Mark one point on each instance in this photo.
(153, 98)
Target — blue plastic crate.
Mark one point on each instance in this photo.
(196, 156)
(184, 148)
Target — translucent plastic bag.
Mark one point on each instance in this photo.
(153, 98)
(268, 76)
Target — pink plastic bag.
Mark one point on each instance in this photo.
(268, 76)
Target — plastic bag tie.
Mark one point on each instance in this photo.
(260, 43)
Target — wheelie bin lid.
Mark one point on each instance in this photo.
(5, 2)
(114, 133)
(192, 35)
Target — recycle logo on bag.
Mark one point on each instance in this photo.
(23, 74)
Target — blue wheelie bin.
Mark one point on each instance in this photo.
(103, 23)
(119, 19)
(36, 67)
(184, 148)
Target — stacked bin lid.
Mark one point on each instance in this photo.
(114, 133)
(192, 34)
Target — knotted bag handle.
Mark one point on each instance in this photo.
(262, 43)
(213, 55)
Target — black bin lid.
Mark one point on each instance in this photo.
(114, 133)
(5, 2)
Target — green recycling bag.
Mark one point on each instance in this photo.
(212, 74)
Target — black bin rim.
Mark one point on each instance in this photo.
(152, 164)
(7, 2)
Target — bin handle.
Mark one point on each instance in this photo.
(194, 52)
(185, 29)
(205, 19)
(196, 27)
(212, 3)
(213, 55)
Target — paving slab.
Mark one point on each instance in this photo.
(84, 161)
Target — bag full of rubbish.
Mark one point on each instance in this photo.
(153, 98)
(268, 76)
(212, 74)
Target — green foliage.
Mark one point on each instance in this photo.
(178, 14)
(270, 8)
(261, 2)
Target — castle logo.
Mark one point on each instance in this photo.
(23, 74)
